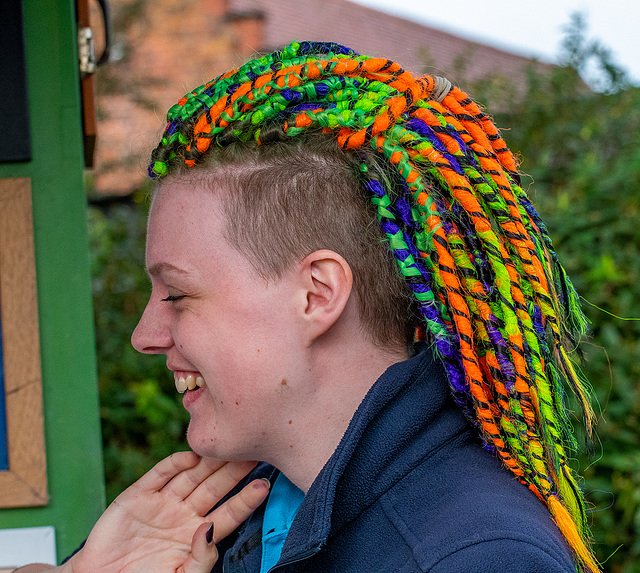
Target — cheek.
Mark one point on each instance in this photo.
(195, 334)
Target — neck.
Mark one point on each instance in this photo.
(340, 376)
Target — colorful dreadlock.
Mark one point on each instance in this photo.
(495, 302)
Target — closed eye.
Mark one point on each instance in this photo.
(172, 298)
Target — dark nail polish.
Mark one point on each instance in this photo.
(265, 480)
(210, 534)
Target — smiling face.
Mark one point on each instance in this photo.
(215, 319)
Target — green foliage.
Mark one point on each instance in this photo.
(582, 149)
(142, 417)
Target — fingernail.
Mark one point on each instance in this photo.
(210, 534)
(265, 480)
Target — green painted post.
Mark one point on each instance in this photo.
(70, 393)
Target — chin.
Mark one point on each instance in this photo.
(209, 446)
(202, 444)
(208, 442)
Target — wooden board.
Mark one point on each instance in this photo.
(25, 483)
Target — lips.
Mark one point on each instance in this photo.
(191, 396)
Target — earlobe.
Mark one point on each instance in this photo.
(328, 284)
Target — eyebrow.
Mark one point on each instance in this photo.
(159, 268)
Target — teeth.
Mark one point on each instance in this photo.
(181, 385)
(191, 382)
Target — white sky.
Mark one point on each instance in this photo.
(530, 27)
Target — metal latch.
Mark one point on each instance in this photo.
(86, 51)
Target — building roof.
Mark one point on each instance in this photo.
(417, 47)
(167, 47)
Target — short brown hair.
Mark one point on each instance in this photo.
(288, 198)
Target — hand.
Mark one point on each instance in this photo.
(160, 523)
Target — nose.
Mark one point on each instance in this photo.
(152, 334)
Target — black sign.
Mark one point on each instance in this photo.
(15, 139)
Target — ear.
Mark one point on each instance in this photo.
(328, 282)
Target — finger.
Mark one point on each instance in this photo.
(217, 485)
(237, 509)
(185, 482)
(204, 553)
(160, 474)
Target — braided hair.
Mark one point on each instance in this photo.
(491, 297)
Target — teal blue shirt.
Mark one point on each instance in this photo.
(282, 506)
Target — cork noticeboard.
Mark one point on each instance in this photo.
(24, 482)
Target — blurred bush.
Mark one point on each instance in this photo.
(582, 149)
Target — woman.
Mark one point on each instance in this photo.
(349, 284)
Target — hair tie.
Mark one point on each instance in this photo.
(441, 88)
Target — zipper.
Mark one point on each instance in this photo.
(301, 557)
